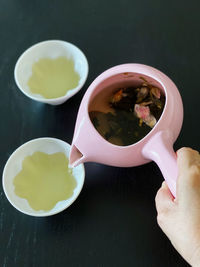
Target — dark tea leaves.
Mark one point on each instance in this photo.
(135, 113)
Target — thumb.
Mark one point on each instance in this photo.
(188, 181)
(164, 199)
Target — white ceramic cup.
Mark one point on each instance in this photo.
(50, 49)
(14, 165)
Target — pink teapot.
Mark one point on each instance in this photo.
(157, 145)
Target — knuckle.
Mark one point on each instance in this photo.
(157, 197)
(163, 210)
(195, 170)
(194, 175)
(160, 219)
(161, 206)
(158, 201)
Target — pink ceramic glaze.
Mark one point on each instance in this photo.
(157, 145)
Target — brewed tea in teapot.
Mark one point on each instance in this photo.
(128, 114)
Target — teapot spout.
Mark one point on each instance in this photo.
(75, 157)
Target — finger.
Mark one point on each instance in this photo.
(186, 157)
(164, 199)
(188, 161)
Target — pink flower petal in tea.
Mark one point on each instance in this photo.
(142, 112)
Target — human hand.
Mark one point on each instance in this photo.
(180, 218)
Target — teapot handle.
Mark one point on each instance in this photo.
(160, 149)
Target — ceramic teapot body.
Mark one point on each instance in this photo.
(157, 145)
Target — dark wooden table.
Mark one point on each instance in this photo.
(113, 222)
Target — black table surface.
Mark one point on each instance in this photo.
(113, 221)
